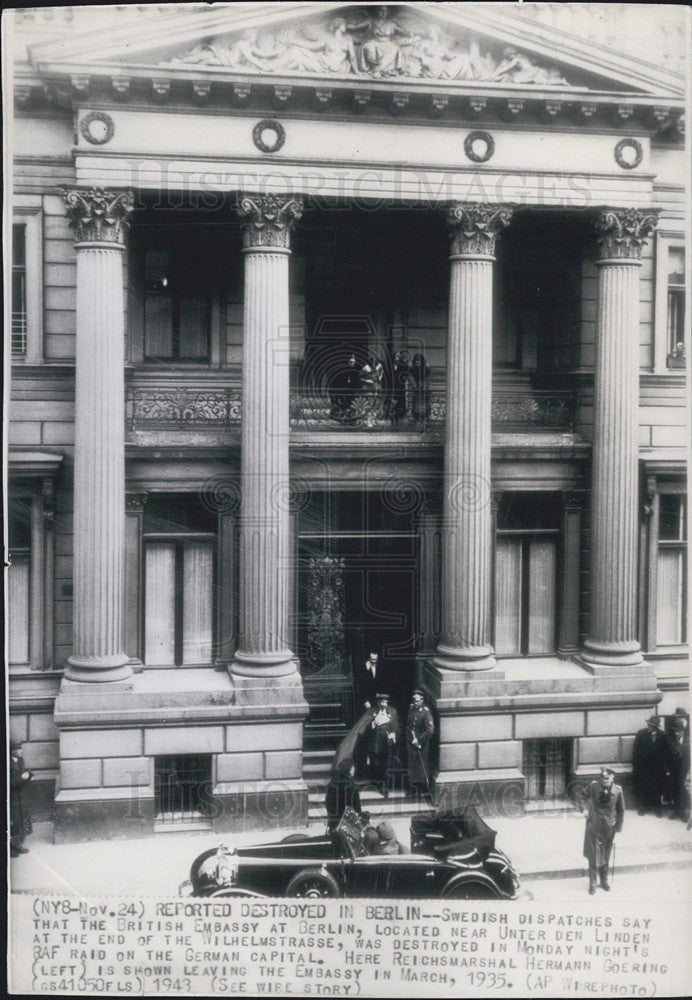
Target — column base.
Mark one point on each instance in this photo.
(610, 654)
(471, 659)
(265, 686)
(98, 669)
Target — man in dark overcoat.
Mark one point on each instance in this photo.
(419, 732)
(20, 821)
(385, 730)
(649, 766)
(678, 763)
(604, 808)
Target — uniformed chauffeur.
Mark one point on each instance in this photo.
(604, 808)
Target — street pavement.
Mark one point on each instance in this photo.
(542, 847)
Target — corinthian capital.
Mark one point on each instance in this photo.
(267, 219)
(97, 215)
(622, 232)
(474, 228)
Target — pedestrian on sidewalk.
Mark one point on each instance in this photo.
(604, 808)
(20, 820)
(678, 763)
(649, 766)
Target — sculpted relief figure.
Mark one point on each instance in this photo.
(379, 46)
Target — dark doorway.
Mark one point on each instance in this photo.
(357, 594)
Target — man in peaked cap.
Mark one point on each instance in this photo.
(419, 732)
(384, 736)
(604, 808)
(649, 766)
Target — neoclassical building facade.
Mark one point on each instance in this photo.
(337, 330)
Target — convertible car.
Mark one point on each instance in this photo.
(451, 857)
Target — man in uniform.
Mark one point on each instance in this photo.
(604, 808)
(385, 729)
(419, 731)
(649, 766)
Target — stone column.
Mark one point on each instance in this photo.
(99, 219)
(466, 550)
(614, 495)
(263, 658)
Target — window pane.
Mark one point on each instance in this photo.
(542, 585)
(676, 266)
(508, 596)
(194, 328)
(18, 608)
(18, 290)
(159, 609)
(156, 268)
(158, 325)
(672, 517)
(670, 597)
(19, 523)
(198, 563)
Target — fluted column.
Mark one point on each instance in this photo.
(613, 618)
(264, 571)
(466, 558)
(99, 219)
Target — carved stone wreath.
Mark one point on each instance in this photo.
(91, 119)
(269, 125)
(469, 146)
(621, 160)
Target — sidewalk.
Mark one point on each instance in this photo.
(539, 846)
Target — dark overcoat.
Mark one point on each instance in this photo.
(649, 765)
(605, 814)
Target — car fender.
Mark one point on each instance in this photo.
(471, 876)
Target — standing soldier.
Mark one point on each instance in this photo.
(649, 766)
(604, 808)
(419, 731)
(20, 821)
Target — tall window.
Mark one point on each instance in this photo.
(671, 590)
(676, 307)
(177, 305)
(19, 580)
(528, 528)
(19, 314)
(179, 558)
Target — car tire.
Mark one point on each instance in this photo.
(313, 883)
(470, 889)
(293, 838)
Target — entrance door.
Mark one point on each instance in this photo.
(356, 595)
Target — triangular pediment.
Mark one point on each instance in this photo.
(452, 45)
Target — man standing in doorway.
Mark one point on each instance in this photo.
(604, 808)
(367, 683)
(419, 732)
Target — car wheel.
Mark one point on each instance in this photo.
(313, 883)
(470, 890)
(293, 838)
